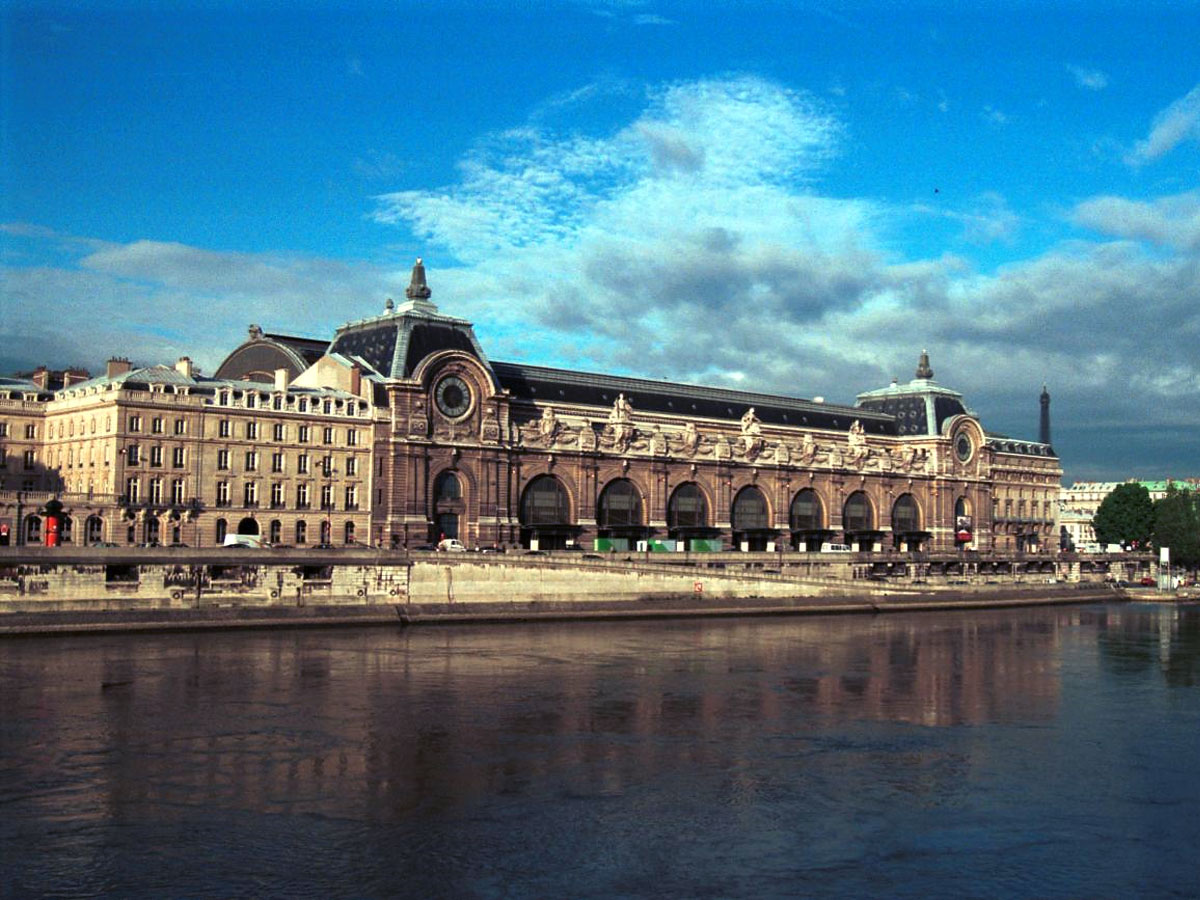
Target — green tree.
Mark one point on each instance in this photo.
(1177, 525)
(1125, 516)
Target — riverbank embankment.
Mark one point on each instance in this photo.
(90, 590)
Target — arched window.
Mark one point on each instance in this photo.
(221, 528)
(545, 502)
(961, 507)
(687, 507)
(326, 532)
(620, 505)
(275, 531)
(750, 510)
(857, 514)
(906, 515)
(447, 487)
(806, 513)
(93, 530)
(301, 532)
(348, 533)
(33, 530)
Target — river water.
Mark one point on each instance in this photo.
(1042, 752)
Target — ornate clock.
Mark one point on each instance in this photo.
(453, 397)
(963, 447)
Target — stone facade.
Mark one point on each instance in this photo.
(426, 437)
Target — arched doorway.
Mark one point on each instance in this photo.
(906, 524)
(751, 520)
(964, 523)
(545, 515)
(806, 520)
(858, 522)
(248, 526)
(619, 513)
(687, 517)
(447, 506)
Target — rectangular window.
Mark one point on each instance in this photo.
(302, 464)
(327, 496)
(327, 407)
(302, 437)
(327, 466)
(327, 436)
(156, 425)
(30, 459)
(251, 461)
(250, 493)
(223, 428)
(276, 462)
(3, 429)
(351, 437)
(133, 454)
(277, 495)
(277, 402)
(222, 493)
(156, 456)
(250, 401)
(351, 466)
(181, 426)
(351, 497)
(177, 458)
(223, 460)
(278, 432)
(251, 431)
(132, 489)
(135, 424)
(30, 432)
(303, 404)
(177, 491)
(3, 457)
(156, 490)
(302, 496)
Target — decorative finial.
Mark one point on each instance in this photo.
(417, 288)
(256, 333)
(390, 305)
(923, 369)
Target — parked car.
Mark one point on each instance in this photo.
(326, 546)
(108, 544)
(1147, 581)
(451, 545)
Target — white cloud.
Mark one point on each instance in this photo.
(995, 116)
(1089, 79)
(1166, 221)
(1177, 123)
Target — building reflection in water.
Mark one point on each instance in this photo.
(381, 725)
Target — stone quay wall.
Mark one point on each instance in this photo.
(90, 586)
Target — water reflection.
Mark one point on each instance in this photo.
(795, 742)
(1163, 637)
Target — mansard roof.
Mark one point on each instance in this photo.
(563, 386)
(261, 354)
(393, 344)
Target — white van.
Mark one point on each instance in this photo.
(836, 548)
(250, 541)
(451, 545)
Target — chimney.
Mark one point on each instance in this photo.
(74, 376)
(117, 365)
(281, 380)
(356, 379)
(41, 377)
(184, 366)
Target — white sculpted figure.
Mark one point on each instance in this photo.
(548, 427)
(857, 440)
(752, 441)
(620, 424)
(691, 438)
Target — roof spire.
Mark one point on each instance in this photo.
(923, 369)
(417, 288)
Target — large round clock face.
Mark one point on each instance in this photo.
(963, 447)
(453, 397)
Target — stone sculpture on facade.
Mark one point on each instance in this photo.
(620, 430)
(751, 440)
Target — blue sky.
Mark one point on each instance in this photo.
(790, 197)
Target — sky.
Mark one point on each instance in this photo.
(786, 197)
